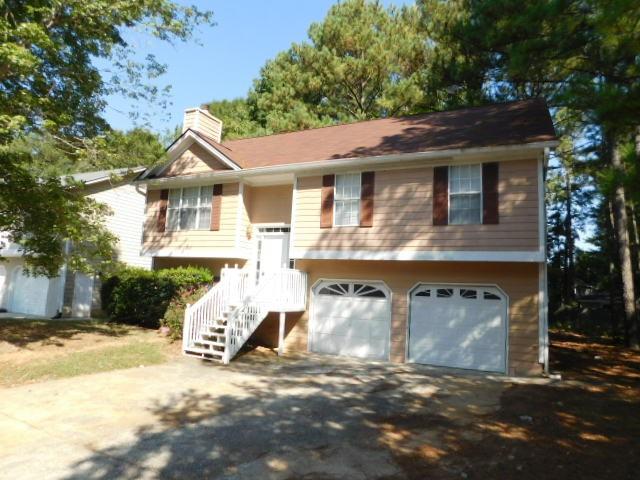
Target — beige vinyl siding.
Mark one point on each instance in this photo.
(193, 160)
(402, 218)
(271, 204)
(262, 205)
(127, 203)
(196, 242)
(518, 280)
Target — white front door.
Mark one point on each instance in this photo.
(273, 249)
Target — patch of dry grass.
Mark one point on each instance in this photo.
(38, 350)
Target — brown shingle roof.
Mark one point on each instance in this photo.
(494, 125)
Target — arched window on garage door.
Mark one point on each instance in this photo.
(351, 318)
(462, 326)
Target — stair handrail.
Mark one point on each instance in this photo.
(244, 319)
(213, 304)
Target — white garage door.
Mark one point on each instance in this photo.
(352, 319)
(458, 326)
(28, 293)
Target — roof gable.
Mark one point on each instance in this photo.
(192, 153)
(193, 160)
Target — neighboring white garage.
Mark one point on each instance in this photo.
(28, 293)
(462, 326)
(351, 319)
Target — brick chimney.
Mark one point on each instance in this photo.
(202, 122)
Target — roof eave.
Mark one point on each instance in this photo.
(332, 164)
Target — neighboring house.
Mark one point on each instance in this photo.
(76, 294)
(418, 239)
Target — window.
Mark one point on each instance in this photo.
(352, 290)
(347, 200)
(491, 296)
(361, 290)
(337, 289)
(444, 292)
(468, 293)
(465, 194)
(189, 208)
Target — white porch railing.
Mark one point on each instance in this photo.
(212, 305)
(278, 290)
(242, 305)
(285, 290)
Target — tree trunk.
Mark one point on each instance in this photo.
(569, 274)
(614, 279)
(624, 249)
(636, 237)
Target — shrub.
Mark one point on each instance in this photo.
(187, 277)
(174, 316)
(141, 297)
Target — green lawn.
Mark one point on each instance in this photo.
(36, 350)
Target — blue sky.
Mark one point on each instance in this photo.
(248, 32)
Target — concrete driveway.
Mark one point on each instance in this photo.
(261, 417)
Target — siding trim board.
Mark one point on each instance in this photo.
(421, 255)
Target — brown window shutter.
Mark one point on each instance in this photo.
(326, 212)
(216, 204)
(367, 187)
(162, 211)
(490, 173)
(441, 195)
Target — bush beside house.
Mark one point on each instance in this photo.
(174, 316)
(141, 297)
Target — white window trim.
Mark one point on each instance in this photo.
(449, 195)
(335, 183)
(179, 208)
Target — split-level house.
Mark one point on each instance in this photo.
(75, 294)
(414, 239)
